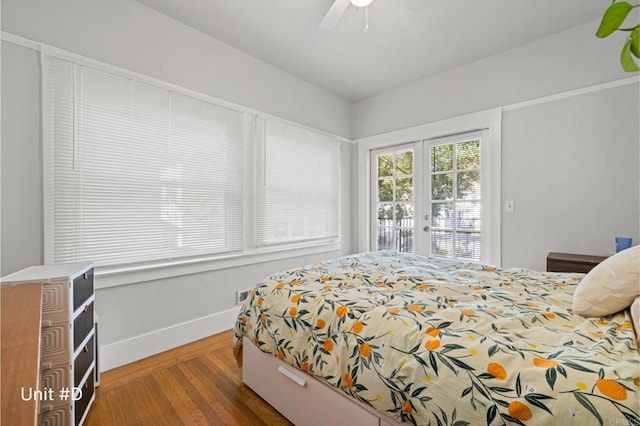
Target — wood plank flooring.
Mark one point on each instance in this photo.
(196, 384)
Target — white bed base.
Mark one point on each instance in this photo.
(301, 398)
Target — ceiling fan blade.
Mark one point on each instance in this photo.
(334, 14)
(415, 5)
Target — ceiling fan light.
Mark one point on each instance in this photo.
(361, 3)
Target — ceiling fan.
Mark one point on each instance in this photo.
(338, 7)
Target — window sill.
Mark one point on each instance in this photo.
(130, 275)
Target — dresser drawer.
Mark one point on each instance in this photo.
(82, 325)
(55, 302)
(56, 416)
(82, 362)
(55, 345)
(264, 373)
(82, 404)
(56, 377)
(82, 288)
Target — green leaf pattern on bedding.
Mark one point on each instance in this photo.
(432, 341)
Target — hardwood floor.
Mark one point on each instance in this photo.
(196, 384)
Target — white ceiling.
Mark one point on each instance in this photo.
(399, 47)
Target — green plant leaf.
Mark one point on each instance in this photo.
(613, 17)
(589, 406)
(492, 350)
(635, 41)
(551, 376)
(578, 367)
(491, 414)
(627, 61)
(534, 399)
(631, 418)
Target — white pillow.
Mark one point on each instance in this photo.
(611, 286)
(635, 318)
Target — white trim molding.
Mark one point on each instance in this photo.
(571, 93)
(20, 41)
(135, 348)
(115, 277)
(80, 59)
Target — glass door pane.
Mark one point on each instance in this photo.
(394, 199)
(455, 199)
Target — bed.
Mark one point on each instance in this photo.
(434, 341)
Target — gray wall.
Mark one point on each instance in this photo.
(572, 167)
(128, 34)
(21, 160)
(569, 60)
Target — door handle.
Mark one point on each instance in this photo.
(426, 228)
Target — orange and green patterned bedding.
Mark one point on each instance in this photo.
(432, 341)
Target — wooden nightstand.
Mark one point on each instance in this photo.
(568, 262)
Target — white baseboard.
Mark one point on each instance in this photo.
(135, 348)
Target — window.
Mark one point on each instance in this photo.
(139, 173)
(297, 184)
(394, 200)
(455, 199)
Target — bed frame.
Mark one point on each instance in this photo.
(301, 398)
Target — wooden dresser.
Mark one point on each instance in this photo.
(569, 262)
(68, 368)
(20, 354)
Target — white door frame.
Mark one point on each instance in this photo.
(490, 123)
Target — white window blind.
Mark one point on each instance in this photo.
(298, 178)
(456, 197)
(137, 172)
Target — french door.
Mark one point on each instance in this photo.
(426, 197)
(393, 191)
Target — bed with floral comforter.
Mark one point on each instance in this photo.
(433, 341)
